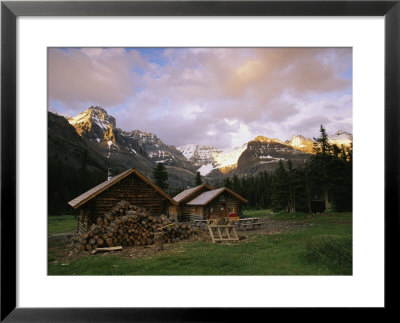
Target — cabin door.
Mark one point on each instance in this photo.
(222, 210)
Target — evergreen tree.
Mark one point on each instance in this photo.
(307, 183)
(265, 187)
(160, 175)
(291, 181)
(320, 164)
(321, 144)
(341, 172)
(279, 188)
(198, 181)
(228, 183)
(330, 173)
(236, 184)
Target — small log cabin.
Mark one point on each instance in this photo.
(131, 186)
(203, 202)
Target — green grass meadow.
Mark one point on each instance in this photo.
(60, 224)
(310, 248)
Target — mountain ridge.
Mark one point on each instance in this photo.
(138, 148)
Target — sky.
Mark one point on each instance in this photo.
(222, 97)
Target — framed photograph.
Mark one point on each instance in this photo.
(172, 160)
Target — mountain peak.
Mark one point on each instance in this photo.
(301, 143)
(97, 108)
(197, 154)
(342, 133)
(95, 123)
(268, 140)
(145, 137)
(341, 137)
(95, 114)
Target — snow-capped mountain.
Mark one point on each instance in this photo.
(341, 138)
(94, 124)
(306, 145)
(199, 155)
(209, 158)
(144, 149)
(159, 152)
(301, 143)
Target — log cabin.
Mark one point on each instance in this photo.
(204, 202)
(131, 186)
(181, 212)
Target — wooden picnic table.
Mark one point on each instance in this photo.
(251, 223)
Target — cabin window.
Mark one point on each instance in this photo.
(196, 210)
(222, 198)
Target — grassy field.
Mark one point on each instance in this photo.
(62, 223)
(300, 216)
(286, 253)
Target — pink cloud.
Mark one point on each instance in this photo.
(91, 75)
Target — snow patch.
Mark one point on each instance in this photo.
(229, 157)
(162, 161)
(206, 169)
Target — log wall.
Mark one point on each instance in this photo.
(185, 213)
(232, 205)
(131, 189)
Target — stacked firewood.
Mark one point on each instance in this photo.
(131, 225)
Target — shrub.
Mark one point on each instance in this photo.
(333, 251)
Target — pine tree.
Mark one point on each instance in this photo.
(198, 181)
(330, 172)
(320, 164)
(321, 144)
(342, 180)
(236, 184)
(279, 188)
(307, 183)
(265, 184)
(228, 183)
(160, 175)
(291, 199)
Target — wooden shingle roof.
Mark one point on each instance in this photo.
(87, 196)
(187, 193)
(207, 197)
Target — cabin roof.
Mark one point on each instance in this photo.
(187, 193)
(207, 197)
(87, 196)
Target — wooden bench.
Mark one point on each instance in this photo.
(251, 223)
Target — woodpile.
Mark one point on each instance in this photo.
(130, 225)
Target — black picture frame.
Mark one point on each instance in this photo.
(10, 10)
